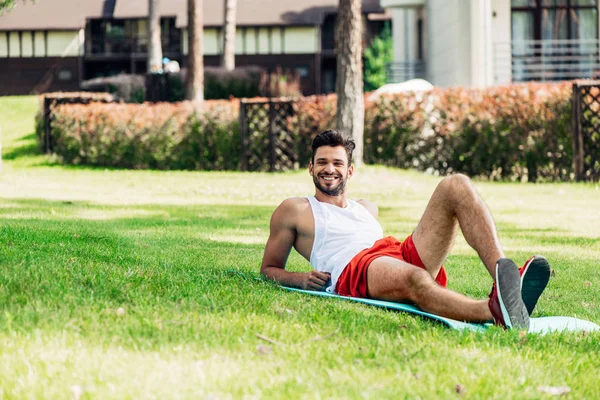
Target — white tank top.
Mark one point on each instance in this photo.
(340, 234)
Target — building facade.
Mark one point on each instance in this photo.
(490, 42)
(54, 45)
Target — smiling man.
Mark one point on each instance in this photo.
(344, 243)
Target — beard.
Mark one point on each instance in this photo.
(332, 191)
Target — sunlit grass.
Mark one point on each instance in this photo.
(145, 284)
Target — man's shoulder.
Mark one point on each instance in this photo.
(296, 201)
(293, 205)
(370, 206)
(290, 210)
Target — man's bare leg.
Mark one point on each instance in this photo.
(395, 280)
(454, 203)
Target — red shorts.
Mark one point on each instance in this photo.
(353, 280)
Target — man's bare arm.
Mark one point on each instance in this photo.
(281, 239)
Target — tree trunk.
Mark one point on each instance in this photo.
(349, 86)
(154, 44)
(228, 60)
(195, 70)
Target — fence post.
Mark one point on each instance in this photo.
(47, 104)
(271, 135)
(244, 136)
(577, 134)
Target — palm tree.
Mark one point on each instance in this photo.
(195, 70)
(154, 44)
(228, 60)
(349, 86)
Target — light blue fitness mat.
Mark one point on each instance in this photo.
(537, 325)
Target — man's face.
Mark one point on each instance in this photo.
(330, 170)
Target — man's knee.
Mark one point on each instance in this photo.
(418, 285)
(457, 189)
(457, 181)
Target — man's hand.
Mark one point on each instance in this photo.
(315, 280)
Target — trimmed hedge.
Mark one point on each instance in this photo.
(157, 136)
(48, 101)
(516, 132)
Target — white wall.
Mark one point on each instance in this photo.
(26, 44)
(449, 61)
(40, 44)
(276, 42)
(263, 41)
(398, 34)
(251, 47)
(13, 48)
(501, 37)
(301, 40)
(60, 44)
(212, 42)
(64, 44)
(284, 40)
(404, 33)
(481, 43)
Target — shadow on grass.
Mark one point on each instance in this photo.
(203, 218)
(29, 148)
(22, 151)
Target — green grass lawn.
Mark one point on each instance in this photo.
(145, 284)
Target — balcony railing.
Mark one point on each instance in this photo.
(546, 60)
(127, 47)
(402, 71)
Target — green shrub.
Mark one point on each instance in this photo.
(516, 132)
(126, 87)
(241, 82)
(156, 136)
(312, 115)
(376, 58)
(280, 84)
(48, 101)
(39, 128)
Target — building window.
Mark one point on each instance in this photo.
(554, 19)
(302, 71)
(554, 39)
(65, 75)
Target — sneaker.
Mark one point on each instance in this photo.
(535, 275)
(506, 303)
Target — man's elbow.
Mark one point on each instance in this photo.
(270, 272)
(263, 271)
(266, 271)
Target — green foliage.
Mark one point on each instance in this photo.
(6, 5)
(126, 87)
(376, 57)
(176, 88)
(156, 136)
(516, 132)
(39, 128)
(241, 82)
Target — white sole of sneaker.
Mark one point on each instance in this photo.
(508, 285)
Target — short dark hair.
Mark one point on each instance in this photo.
(333, 138)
